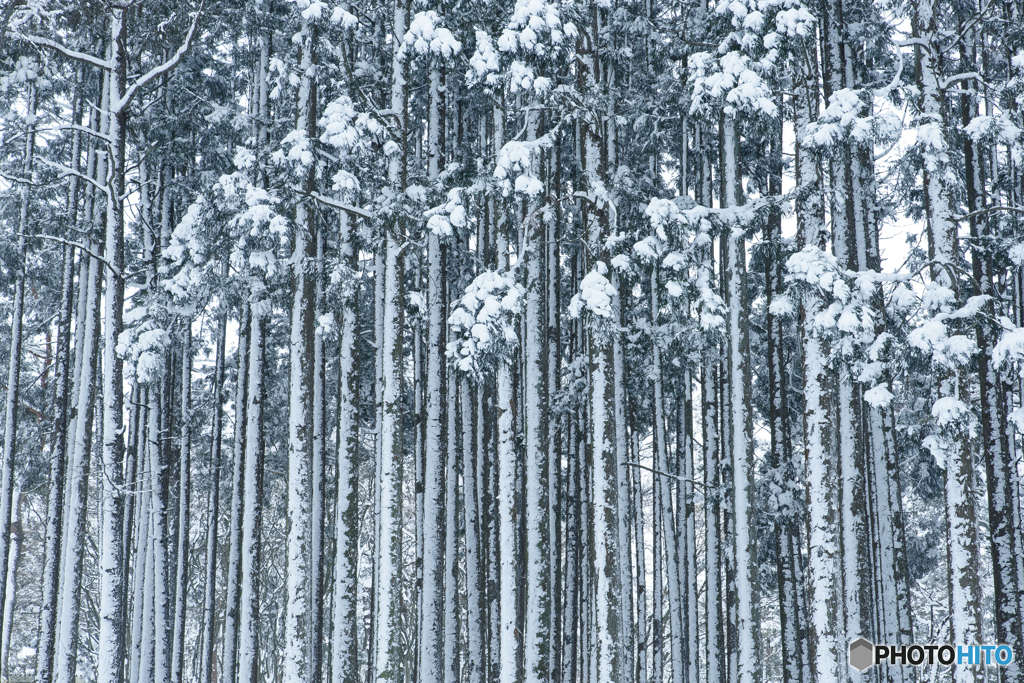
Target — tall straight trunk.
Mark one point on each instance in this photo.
(145, 588)
(504, 474)
(573, 535)
(233, 592)
(627, 638)
(714, 644)
(658, 576)
(110, 646)
(606, 645)
(298, 632)
(60, 445)
(476, 609)
(507, 573)
(640, 548)
(252, 507)
(555, 434)
(14, 369)
(453, 620)
(824, 611)
(345, 651)
(664, 500)
(319, 469)
(452, 613)
(892, 602)
(786, 523)
(847, 227)
(605, 649)
(741, 430)
(156, 454)
(622, 549)
(687, 529)
(92, 211)
(78, 491)
(141, 656)
(714, 634)
(961, 521)
(156, 647)
(388, 536)
(996, 449)
(487, 463)
(11, 583)
(184, 507)
(538, 567)
(727, 529)
(209, 619)
(432, 603)
(241, 627)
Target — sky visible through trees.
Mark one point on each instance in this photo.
(585, 341)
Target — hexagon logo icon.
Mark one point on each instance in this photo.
(862, 654)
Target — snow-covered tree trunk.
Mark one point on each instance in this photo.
(60, 443)
(251, 323)
(252, 507)
(538, 569)
(714, 634)
(687, 530)
(955, 448)
(640, 548)
(158, 537)
(507, 537)
(573, 535)
(388, 536)
(14, 368)
(476, 610)
(318, 503)
(996, 447)
(452, 613)
(622, 550)
(658, 571)
(209, 620)
(741, 429)
(714, 644)
(432, 603)
(298, 616)
(784, 469)
(345, 641)
(556, 505)
(604, 651)
(184, 506)
(824, 607)
(141, 656)
(111, 639)
(847, 227)
(60, 446)
(233, 592)
(11, 577)
(78, 469)
(664, 498)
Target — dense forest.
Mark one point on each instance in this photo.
(471, 341)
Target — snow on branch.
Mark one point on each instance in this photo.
(485, 321)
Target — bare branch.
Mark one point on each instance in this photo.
(67, 171)
(960, 77)
(990, 209)
(164, 68)
(76, 245)
(67, 52)
(663, 474)
(348, 208)
(86, 129)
